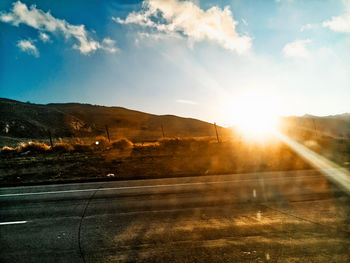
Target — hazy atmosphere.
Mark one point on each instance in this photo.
(175, 131)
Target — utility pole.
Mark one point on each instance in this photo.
(107, 132)
(216, 131)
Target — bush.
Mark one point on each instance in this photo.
(122, 144)
(169, 142)
(101, 142)
(37, 147)
(8, 150)
(62, 147)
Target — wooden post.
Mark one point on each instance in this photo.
(50, 137)
(216, 131)
(300, 128)
(107, 132)
(162, 130)
(313, 121)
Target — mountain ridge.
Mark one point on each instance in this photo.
(27, 120)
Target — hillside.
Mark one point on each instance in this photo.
(32, 121)
(335, 126)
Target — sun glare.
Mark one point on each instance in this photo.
(254, 116)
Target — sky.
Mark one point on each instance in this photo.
(201, 59)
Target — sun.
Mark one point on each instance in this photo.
(254, 116)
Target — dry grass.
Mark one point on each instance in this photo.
(8, 150)
(196, 154)
(122, 144)
(188, 143)
(101, 143)
(166, 157)
(63, 147)
(35, 147)
(81, 147)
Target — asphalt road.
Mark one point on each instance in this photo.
(264, 217)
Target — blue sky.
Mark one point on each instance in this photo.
(190, 58)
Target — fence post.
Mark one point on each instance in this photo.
(316, 132)
(216, 131)
(50, 137)
(162, 130)
(107, 131)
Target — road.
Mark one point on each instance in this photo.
(295, 216)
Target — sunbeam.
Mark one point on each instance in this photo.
(332, 171)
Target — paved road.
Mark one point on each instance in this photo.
(262, 217)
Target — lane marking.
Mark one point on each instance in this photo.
(12, 223)
(156, 186)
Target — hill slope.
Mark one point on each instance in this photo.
(25, 120)
(335, 126)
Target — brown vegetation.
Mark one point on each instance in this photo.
(81, 147)
(122, 144)
(187, 143)
(34, 162)
(100, 143)
(7, 150)
(62, 147)
(34, 147)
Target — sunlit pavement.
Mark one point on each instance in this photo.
(296, 216)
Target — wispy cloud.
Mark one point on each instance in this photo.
(28, 47)
(188, 19)
(306, 27)
(297, 49)
(46, 23)
(191, 102)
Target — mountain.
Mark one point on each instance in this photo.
(33, 121)
(344, 116)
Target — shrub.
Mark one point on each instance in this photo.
(101, 142)
(170, 142)
(62, 147)
(8, 150)
(37, 147)
(122, 144)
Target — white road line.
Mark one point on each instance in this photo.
(153, 186)
(12, 223)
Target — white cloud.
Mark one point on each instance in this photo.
(45, 22)
(44, 37)
(297, 48)
(28, 47)
(109, 45)
(185, 17)
(191, 102)
(340, 23)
